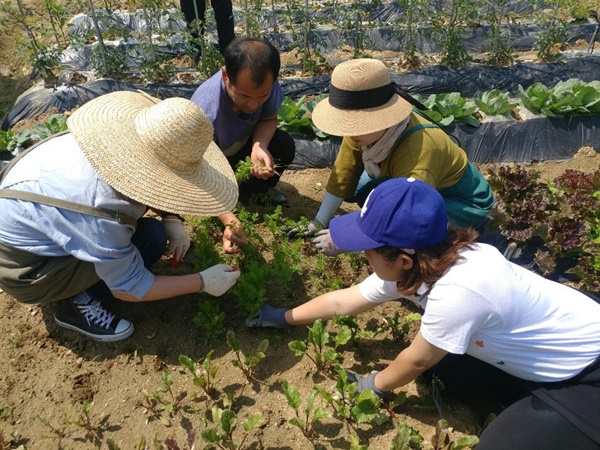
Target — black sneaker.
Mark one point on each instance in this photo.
(92, 320)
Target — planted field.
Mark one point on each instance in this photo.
(193, 375)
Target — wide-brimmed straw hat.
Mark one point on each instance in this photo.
(159, 153)
(362, 100)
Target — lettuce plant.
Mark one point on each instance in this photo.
(450, 108)
(494, 102)
(560, 218)
(568, 98)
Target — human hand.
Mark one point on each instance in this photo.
(179, 240)
(218, 279)
(234, 236)
(325, 244)
(268, 316)
(366, 383)
(263, 164)
(304, 232)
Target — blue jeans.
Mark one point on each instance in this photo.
(150, 238)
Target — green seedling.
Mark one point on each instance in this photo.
(248, 361)
(308, 416)
(323, 352)
(407, 438)
(400, 325)
(156, 403)
(356, 333)
(225, 420)
(204, 372)
(60, 431)
(441, 439)
(351, 406)
(93, 428)
(210, 318)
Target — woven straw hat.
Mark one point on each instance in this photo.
(159, 153)
(362, 100)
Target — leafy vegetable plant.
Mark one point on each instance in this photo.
(226, 421)
(494, 102)
(349, 404)
(305, 418)
(204, 372)
(247, 361)
(323, 351)
(449, 108)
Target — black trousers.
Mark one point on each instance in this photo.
(283, 149)
(548, 416)
(223, 16)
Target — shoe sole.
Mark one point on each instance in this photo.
(96, 337)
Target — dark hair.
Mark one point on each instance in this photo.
(431, 263)
(256, 54)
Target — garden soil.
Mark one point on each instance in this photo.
(49, 373)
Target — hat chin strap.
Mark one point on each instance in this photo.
(369, 98)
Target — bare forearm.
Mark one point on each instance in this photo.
(409, 364)
(400, 372)
(341, 303)
(167, 287)
(264, 131)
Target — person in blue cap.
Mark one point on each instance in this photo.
(488, 325)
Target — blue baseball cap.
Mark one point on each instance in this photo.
(402, 212)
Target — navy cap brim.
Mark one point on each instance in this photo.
(347, 235)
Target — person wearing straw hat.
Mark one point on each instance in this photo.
(487, 325)
(72, 229)
(242, 100)
(384, 138)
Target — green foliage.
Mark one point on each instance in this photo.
(295, 116)
(407, 438)
(320, 347)
(204, 372)
(210, 318)
(551, 39)
(568, 98)
(157, 404)
(10, 142)
(306, 417)
(446, 109)
(226, 423)
(247, 361)
(55, 124)
(349, 404)
(494, 102)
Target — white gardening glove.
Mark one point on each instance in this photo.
(179, 240)
(325, 244)
(218, 279)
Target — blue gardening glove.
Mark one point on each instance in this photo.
(325, 244)
(365, 383)
(268, 317)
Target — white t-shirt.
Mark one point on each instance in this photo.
(505, 315)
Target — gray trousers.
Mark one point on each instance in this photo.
(31, 278)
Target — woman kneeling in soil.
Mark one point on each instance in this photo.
(535, 335)
(385, 138)
(71, 228)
